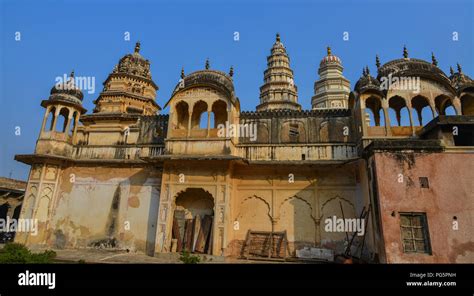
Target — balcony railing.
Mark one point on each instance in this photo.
(292, 152)
(116, 152)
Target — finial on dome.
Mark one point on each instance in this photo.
(329, 50)
(405, 52)
(433, 59)
(72, 74)
(364, 73)
(451, 70)
(459, 69)
(367, 70)
(207, 64)
(231, 71)
(278, 37)
(377, 61)
(182, 73)
(137, 47)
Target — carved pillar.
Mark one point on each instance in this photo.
(189, 122)
(45, 117)
(55, 117)
(208, 122)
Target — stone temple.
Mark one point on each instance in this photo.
(126, 177)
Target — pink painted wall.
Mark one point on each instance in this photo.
(451, 193)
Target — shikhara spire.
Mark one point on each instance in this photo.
(278, 90)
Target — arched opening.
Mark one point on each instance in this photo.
(219, 110)
(192, 221)
(421, 112)
(467, 104)
(49, 122)
(182, 115)
(62, 120)
(373, 106)
(198, 121)
(400, 111)
(450, 111)
(442, 102)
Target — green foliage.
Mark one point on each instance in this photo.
(187, 258)
(18, 253)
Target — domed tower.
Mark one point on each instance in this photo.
(61, 118)
(129, 88)
(332, 89)
(278, 90)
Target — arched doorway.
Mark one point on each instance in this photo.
(192, 221)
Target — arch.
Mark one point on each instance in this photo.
(399, 105)
(374, 105)
(422, 109)
(62, 121)
(442, 102)
(193, 220)
(219, 110)
(29, 206)
(49, 122)
(295, 215)
(199, 108)
(182, 115)
(467, 104)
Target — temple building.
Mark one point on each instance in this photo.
(125, 177)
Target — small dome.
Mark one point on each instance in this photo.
(67, 91)
(367, 82)
(330, 59)
(460, 80)
(134, 64)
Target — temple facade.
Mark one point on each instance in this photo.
(211, 178)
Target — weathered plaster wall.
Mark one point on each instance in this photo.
(450, 193)
(264, 199)
(101, 207)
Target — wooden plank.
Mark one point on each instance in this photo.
(188, 235)
(196, 230)
(203, 236)
(176, 234)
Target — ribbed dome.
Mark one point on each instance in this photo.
(330, 59)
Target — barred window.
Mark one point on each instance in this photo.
(415, 234)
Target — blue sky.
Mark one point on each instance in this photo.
(88, 36)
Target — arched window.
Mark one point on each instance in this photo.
(182, 115)
(49, 122)
(467, 104)
(219, 111)
(373, 106)
(198, 120)
(442, 102)
(62, 120)
(421, 111)
(400, 110)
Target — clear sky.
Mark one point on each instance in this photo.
(88, 36)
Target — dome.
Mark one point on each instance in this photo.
(67, 91)
(414, 67)
(460, 80)
(212, 78)
(367, 82)
(134, 64)
(330, 59)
